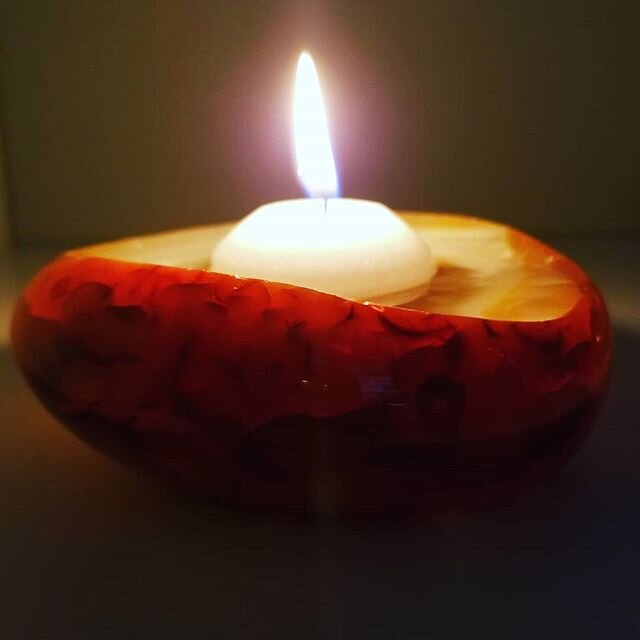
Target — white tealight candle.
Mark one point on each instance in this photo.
(356, 249)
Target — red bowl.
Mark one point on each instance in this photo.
(271, 396)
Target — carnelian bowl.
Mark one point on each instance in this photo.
(272, 396)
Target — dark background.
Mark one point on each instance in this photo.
(130, 116)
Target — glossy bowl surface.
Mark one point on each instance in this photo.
(271, 396)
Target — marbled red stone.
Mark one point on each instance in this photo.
(276, 397)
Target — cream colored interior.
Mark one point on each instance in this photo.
(479, 273)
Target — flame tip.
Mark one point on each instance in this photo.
(315, 163)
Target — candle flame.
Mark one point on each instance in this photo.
(314, 157)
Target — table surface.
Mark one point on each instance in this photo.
(91, 550)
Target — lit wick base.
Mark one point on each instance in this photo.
(275, 397)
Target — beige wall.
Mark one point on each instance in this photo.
(127, 116)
